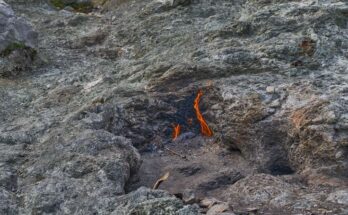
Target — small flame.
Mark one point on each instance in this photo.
(176, 131)
(205, 130)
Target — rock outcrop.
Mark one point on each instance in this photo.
(89, 128)
(18, 41)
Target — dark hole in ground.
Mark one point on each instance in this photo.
(279, 166)
(280, 169)
(234, 148)
(273, 142)
(179, 195)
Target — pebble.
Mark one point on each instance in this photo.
(208, 202)
(275, 103)
(218, 209)
(270, 89)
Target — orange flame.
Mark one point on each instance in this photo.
(176, 131)
(205, 130)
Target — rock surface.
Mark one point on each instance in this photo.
(146, 201)
(85, 131)
(17, 42)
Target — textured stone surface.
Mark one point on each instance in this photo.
(274, 79)
(146, 201)
(17, 42)
(91, 169)
(259, 190)
(15, 29)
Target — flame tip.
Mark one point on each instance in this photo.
(176, 131)
(205, 130)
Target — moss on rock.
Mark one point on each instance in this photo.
(14, 46)
(83, 7)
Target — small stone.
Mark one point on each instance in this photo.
(189, 197)
(331, 117)
(69, 8)
(275, 103)
(252, 209)
(271, 110)
(339, 154)
(208, 202)
(216, 107)
(270, 89)
(218, 209)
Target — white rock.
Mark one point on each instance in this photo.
(270, 89)
(275, 103)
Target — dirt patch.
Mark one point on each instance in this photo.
(200, 165)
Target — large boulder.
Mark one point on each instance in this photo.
(17, 42)
(87, 174)
(256, 191)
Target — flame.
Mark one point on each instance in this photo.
(176, 131)
(205, 130)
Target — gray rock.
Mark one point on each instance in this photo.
(8, 178)
(340, 197)
(7, 202)
(270, 89)
(260, 189)
(91, 168)
(180, 2)
(122, 75)
(15, 29)
(146, 201)
(17, 42)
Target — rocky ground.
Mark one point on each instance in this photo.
(90, 92)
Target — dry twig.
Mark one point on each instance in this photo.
(175, 153)
(160, 180)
